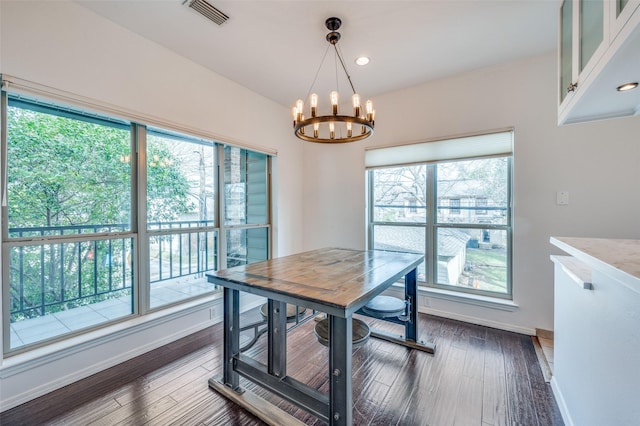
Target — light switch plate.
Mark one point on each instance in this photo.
(562, 198)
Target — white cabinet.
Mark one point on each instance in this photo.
(596, 354)
(599, 50)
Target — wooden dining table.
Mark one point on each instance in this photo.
(336, 281)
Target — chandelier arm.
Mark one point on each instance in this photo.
(335, 46)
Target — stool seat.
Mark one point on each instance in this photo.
(360, 332)
(291, 311)
(385, 307)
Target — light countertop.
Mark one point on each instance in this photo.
(617, 257)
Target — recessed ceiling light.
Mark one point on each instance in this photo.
(627, 86)
(362, 60)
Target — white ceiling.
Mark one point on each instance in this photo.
(275, 47)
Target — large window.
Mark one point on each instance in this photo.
(454, 211)
(105, 219)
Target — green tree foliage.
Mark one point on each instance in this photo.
(63, 171)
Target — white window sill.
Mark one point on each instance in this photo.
(471, 299)
(454, 296)
(71, 345)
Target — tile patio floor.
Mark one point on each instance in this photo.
(48, 326)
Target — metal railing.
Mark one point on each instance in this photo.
(51, 277)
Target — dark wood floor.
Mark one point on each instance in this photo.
(478, 376)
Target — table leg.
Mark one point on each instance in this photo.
(231, 338)
(277, 338)
(340, 390)
(411, 296)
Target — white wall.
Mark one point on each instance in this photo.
(598, 163)
(67, 47)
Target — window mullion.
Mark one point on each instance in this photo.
(141, 274)
(4, 257)
(222, 231)
(431, 248)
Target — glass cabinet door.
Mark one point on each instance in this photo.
(566, 52)
(591, 29)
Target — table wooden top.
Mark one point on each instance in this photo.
(340, 279)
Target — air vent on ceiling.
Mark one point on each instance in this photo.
(207, 10)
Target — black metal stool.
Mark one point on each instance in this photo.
(360, 332)
(291, 312)
(385, 307)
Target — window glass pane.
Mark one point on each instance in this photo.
(59, 288)
(408, 239)
(65, 170)
(566, 52)
(177, 266)
(245, 187)
(472, 258)
(473, 191)
(180, 182)
(620, 6)
(591, 29)
(400, 194)
(246, 246)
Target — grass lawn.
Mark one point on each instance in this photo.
(489, 266)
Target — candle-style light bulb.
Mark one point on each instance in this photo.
(294, 112)
(300, 109)
(356, 104)
(332, 133)
(316, 126)
(334, 102)
(369, 110)
(314, 104)
(349, 132)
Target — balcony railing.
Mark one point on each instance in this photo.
(51, 277)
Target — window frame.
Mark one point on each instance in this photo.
(137, 232)
(431, 225)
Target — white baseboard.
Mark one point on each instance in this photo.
(59, 382)
(479, 321)
(399, 292)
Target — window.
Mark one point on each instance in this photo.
(108, 219)
(454, 206)
(68, 235)
(464, 224)
(181, 228)
(246, 208)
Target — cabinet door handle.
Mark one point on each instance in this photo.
(572, 87)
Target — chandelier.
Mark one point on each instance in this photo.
(334, 127)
